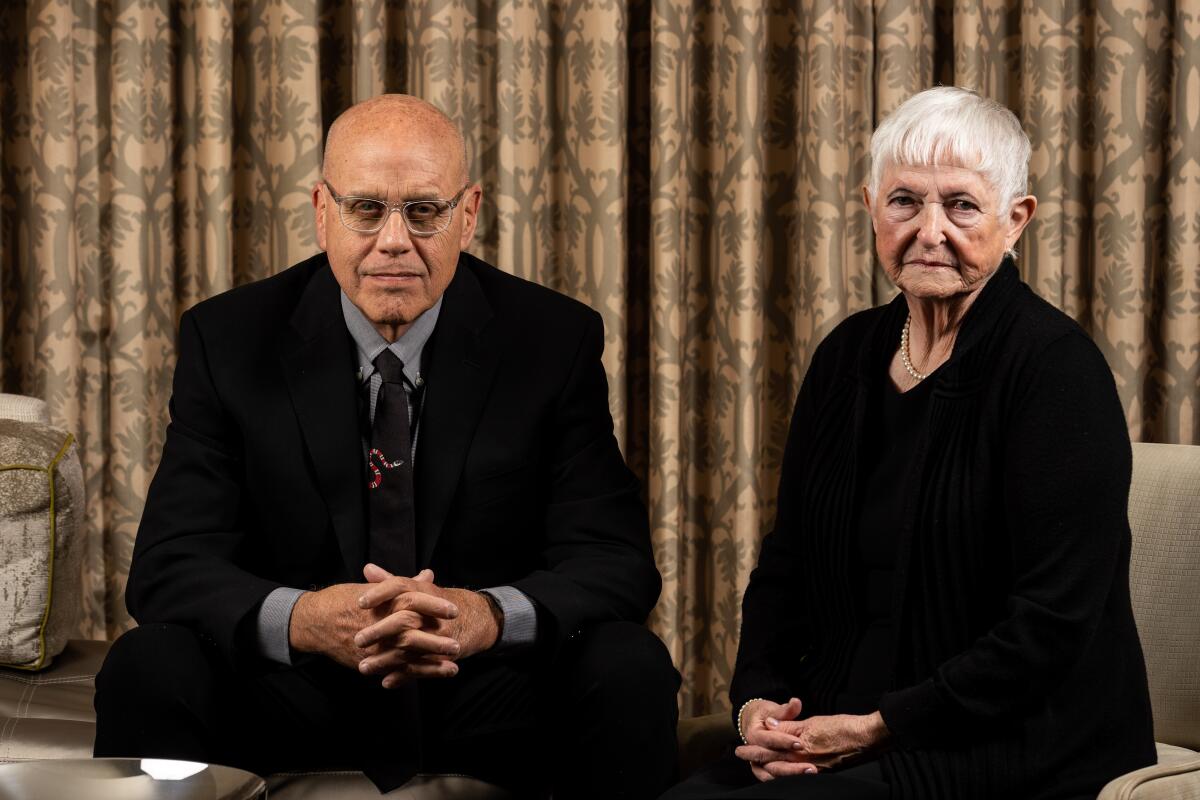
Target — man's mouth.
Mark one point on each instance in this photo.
(393, 276)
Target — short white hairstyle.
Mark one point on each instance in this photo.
(952, 126)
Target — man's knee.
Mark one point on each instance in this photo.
(624, 660)
(150, 664)
(155, 696)
(621, 690)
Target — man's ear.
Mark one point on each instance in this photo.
(471, 199)
(319, 201)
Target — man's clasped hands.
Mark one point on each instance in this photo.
(394, 627)
(779, 744)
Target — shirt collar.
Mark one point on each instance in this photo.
(370, 343)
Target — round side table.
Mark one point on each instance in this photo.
(127, 779)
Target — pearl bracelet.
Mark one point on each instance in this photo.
(741, 712)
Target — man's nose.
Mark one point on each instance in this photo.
(394, 236)
(931, 230)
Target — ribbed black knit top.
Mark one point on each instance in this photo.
(1017, 670)
(892, 432)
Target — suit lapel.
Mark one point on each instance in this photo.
(463, 357)
(318, 366)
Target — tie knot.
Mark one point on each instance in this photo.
(390, 368)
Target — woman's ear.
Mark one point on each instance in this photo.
(1019, 215)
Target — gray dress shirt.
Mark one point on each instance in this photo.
(275, 613)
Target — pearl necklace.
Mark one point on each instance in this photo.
(904, 359)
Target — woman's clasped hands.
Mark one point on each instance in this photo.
(779, 744)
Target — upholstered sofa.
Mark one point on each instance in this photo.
(49, 714)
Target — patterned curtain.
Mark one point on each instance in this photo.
(690, 169)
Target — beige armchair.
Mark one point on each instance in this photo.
(49, 714)
(1164, 581)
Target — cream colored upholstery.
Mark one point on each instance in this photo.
(1164, 582)
(1174, 777)
(49, 714)
(24, 409)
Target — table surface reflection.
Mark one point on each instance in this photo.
(126, 779)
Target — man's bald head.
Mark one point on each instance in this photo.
(398, 115)
(403, 152)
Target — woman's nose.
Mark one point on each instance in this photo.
(931, 223)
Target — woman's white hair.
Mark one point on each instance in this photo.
(951, 126)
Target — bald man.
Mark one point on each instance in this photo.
(391, 529)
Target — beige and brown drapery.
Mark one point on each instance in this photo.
(692, 170)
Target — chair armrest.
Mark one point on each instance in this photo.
(703, 740)
(1176, 776)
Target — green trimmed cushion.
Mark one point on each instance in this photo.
(41, 549)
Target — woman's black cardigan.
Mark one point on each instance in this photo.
(1018, 672)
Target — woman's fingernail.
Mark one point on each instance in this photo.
(772, 722)
(796, 745)
(810, 771)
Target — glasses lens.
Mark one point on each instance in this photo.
(427, 216)
(363, 215)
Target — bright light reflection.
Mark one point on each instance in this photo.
(162, 769)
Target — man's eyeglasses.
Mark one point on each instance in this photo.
(421, 217)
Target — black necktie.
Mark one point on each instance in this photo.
(393, 534)
(392, 544)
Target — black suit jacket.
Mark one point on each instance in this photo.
(518, 477)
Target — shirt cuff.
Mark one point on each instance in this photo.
(271, 626)
(520, 617)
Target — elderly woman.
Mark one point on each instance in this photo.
(942, 610)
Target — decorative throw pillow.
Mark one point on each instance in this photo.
(41, 547)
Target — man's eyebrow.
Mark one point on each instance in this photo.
(380, 193)
(350, 190)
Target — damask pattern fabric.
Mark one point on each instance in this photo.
(41, 505)
(693, 170)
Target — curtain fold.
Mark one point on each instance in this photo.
(692, 170)
(540, 92)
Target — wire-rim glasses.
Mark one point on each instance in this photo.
(370, 214)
